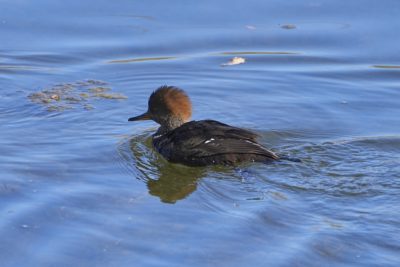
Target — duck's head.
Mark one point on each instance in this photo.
(169, 106)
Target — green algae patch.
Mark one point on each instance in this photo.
(110, 96)
(257, 53)
(131, 60)
(386, 66)
(80, 94)
(99, 89)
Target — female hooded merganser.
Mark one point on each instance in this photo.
(198, 143)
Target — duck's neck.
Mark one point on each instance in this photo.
(169, 125)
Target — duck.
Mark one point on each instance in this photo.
(198, 143)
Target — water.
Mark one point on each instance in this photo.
(81, 186)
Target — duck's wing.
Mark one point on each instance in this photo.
(208, 138)
(215, 146)
(199, 131)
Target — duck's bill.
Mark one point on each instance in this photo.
(143, 117)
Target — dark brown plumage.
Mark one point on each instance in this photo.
(198, 143)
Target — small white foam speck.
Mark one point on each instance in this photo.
(234, 61)
(208, 141)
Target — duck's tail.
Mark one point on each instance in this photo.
(289, 159)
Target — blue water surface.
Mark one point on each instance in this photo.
(80, 186)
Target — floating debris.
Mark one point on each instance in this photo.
(235, 61)
(84, 95)
(67, 96)
(130, 60)
(99, 89)
(110, 96)
(88, 107)
(25, 68)
(288, 26)
(60, 108)
(257, 53)
(251, 27)
(96, 82)
(40, 98)
(55, 97)
(386, 66)
(73, 99)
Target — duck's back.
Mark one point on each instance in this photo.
(208, 142)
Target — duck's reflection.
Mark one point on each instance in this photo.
(174, 183)
(170, 182)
